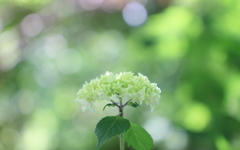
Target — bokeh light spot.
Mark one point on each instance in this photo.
(108, 45)
(232, 103)
(158, 128)
(25, 101)
(54, 44)
(196, 117)
(9, 54)
(134, 14)
(176, 140)
(38, 134)
(32, 25)
(222, 143)
(46, 75)
(90, 4)
(69, 61)
(112, 6)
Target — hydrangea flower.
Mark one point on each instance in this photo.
(123, 87)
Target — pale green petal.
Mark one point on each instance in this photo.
(123, 86)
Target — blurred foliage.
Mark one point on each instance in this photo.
(49, 48)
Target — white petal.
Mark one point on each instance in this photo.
(85, 105)
(152, 107)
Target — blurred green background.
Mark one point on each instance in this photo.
(49, 48)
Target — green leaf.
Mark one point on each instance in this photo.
(133, 104)
(110, 127)
(138, 138)
(109, 105)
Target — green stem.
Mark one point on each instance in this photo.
(121, 137)
(121, 106)
(122, 144)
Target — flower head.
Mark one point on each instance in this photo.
(113, 87)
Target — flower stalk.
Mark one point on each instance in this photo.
(121, 137)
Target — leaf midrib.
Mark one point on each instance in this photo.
(107, 131)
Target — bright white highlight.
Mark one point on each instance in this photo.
(32, 25)
(134, 14)
(158, 128)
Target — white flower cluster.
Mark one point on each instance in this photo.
(124, 86)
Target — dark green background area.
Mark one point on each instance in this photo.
(190, 48)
